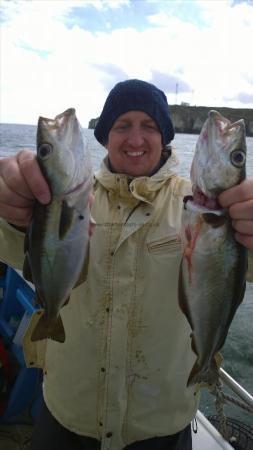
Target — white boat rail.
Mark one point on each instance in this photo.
(245, 396)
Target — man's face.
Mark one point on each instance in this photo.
(134, 144)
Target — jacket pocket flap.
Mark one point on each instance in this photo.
(166, 243)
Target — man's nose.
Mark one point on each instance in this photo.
(135, 137)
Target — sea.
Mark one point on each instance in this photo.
(238, 349)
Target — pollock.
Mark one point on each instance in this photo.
(56, 243)
(212, 276)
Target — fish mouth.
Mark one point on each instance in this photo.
(201, 201)
(85, 184)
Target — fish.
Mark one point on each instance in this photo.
(57, 239)
(212, 275)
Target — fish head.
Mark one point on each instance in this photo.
(220, 157)
(62, 153)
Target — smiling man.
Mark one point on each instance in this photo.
(119, 381)
(135, 126)
(134, 144)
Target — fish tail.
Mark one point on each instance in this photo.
(49, 329)
(203, 374)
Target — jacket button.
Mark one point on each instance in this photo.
(148, 214)
(102, 369)
(109, 434)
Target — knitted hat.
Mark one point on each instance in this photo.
(135, 95)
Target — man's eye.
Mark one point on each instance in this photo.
(122, 126)
(150, 126)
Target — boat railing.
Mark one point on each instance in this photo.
(236, 432)
(244, 395)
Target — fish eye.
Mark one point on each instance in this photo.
(45, 150)
(238, 158)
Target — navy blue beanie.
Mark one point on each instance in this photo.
(135, 95)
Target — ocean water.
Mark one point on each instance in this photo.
(238, 349)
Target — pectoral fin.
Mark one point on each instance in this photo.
(83, 274)
(67, 215)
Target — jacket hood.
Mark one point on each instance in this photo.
(142, 188)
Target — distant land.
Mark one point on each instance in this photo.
(189, 119)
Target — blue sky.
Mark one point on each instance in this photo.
(57, 54)
(133, 13)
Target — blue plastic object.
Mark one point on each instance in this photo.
(16, 307)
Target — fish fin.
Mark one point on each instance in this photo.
(83, 274)
(206, 376)
(67, 215)
(194, 347)
(49, 329)
(218, 359)
(66, 302)
(38, 301)
(27, 273)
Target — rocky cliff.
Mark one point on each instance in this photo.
(189, 119)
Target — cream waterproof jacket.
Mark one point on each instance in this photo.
(121, 374)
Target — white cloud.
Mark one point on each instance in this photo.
(216, 59)
(47, 67)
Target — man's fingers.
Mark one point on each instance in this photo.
(8, 196)
(16, 216)
(13, 179)
(242, 210)
(31, 172)
(243, 226)
(239, 193)
(245, 240)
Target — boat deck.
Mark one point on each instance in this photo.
(207, 437)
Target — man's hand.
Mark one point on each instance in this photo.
(239, 201)
(21, 182)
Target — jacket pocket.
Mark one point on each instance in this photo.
(165, 244)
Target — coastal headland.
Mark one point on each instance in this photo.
(189, 119)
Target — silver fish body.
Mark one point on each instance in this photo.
(57, 238)
(213, 269)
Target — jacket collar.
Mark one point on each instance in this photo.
(141, 188)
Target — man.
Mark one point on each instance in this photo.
(119, 380)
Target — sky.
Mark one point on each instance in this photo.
(57, 54)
